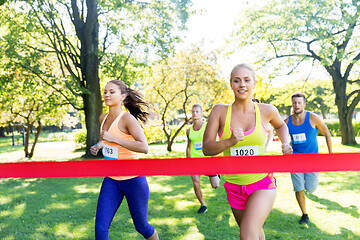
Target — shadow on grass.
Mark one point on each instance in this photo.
(334, 206)
(285, 226)
(48, 208)
(353, 145)
(343, 180)
(11, 148)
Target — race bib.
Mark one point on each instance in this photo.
(198, 145)
(299, 138)
(110, 152)
(245, 151)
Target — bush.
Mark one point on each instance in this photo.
(80, 140)
(58, 136)
(334, 127)
(155, 134)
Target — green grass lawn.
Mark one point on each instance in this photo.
(64, 208)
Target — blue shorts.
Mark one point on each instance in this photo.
(305, 181)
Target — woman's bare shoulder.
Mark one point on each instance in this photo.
(102, 116)
(128, 117)
(267, 108)
(220, 108)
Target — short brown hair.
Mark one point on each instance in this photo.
(197, 106)
(298, 94)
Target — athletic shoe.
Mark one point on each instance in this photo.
(304, 219)
(202, 209)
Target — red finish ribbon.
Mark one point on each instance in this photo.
(184, 166)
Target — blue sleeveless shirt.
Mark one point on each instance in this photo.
(303, 137)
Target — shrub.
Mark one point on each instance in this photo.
(155, 134)
(59, 136)
(80, 140)
(334, 127)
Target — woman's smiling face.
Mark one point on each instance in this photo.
(242, 82)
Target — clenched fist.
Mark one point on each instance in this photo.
(286, 148)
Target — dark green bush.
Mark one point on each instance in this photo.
(334, 127)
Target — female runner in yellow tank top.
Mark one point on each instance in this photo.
(240, 127)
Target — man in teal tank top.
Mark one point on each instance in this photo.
(194, 149)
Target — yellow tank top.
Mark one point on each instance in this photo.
(252, 145)
(196, 138)
(113, 151)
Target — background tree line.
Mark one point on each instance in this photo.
(56, 55)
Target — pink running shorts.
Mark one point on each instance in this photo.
(237, 195)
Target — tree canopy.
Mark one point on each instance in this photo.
(323, 32)
(190, 77)
(92, 40)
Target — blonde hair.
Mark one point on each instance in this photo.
(244, 65)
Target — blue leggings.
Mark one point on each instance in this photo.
(136, 191)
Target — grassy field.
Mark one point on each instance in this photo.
(65, 208)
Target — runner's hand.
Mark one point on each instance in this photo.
(286, 148)
(105, 135)
(94, 149)
(237, 135)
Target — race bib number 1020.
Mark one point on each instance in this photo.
(245, 151)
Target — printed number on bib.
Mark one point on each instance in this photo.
(245, 151)
(299, 138)
(198, 145)
(110, 152)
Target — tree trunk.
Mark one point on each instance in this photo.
(170, 142)
(2, 131)
(171, 139)
(27, 138)
(345, 116)
(168, 137)
(323, 113)
(89, 38)
(38, 131)
(92, 107)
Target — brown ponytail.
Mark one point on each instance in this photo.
(133, 101)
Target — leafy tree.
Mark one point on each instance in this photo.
(325, 32)
(85, 35)
(30, 103)
(181, 81)
(319, 96)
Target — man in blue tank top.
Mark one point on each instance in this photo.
(303, 127)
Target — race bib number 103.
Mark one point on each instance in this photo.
(110, 152)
